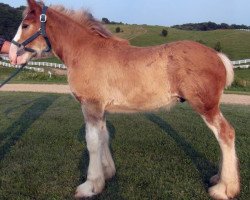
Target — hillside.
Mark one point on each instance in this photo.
(235, 43)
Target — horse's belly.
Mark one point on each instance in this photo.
(141, 102)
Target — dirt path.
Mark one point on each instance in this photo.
(64, 89)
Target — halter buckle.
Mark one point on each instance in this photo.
(43, 18)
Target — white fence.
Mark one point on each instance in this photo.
(47, 64)
(18, 66)
(243, 29)
(238, 63)
(41, 64)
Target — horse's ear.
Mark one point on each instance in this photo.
(32, 4)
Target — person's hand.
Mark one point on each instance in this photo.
(6, 47)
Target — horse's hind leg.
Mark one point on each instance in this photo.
(227, 181)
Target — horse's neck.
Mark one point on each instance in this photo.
(64, 35)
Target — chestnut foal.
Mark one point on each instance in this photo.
(107, 74)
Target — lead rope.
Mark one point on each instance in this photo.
(12, 75)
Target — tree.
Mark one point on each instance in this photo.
(118, 29)
(105, 20)
(164, 33)
(217, 47)
(224, 26)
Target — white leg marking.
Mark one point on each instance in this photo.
(94, 148)
(95, 178)
(227, 181)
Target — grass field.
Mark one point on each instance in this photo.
(158, 156)
(235, 43)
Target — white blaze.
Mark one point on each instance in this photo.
(14, 59)
(18, 34)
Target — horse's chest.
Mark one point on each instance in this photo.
(82, 86)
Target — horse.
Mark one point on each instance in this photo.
(108, 75)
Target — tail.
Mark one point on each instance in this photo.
(229, 69)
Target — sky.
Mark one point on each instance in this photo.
(159, 12)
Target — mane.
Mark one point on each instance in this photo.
(86, 19)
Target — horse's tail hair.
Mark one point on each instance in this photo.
(229, 69)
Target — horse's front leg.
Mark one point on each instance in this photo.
(107, 160)
(95, 178)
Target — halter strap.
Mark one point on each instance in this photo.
(41, 31)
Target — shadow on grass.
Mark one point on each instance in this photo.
(205, 167)
(112, 189)
(11, 135)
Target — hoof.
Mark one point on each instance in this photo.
(89, 188)
(233, 189)
(85, 190)
(221, 191)
(218, 192)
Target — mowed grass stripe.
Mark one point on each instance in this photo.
(164, 155)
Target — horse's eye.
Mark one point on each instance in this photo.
(24, 26)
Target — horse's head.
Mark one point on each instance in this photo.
(30, 39)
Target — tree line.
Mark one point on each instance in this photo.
(107, 21)
(10, 18)
(207, 26)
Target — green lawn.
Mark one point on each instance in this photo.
(241, 81)
(158, 156)
(243, 74)
(30, 76)
(50, 59)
